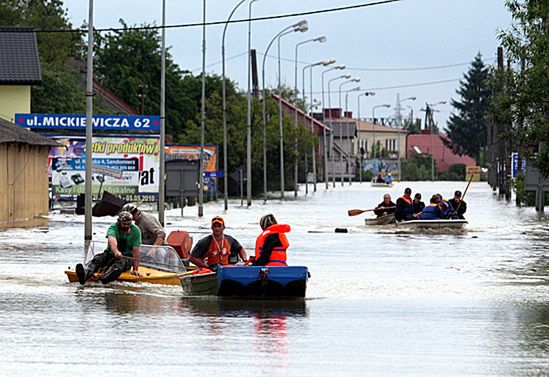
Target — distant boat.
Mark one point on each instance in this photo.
(437, 224)
(386, 219)
(248, 282)
(382, 184)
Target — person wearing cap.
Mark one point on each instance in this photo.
(271, 244)
(418, 205)
(217, 248)
(459, 206)
(385, 207)
(122, 253)
(152, 232)
(404, 206)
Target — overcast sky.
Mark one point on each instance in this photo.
(401, 44)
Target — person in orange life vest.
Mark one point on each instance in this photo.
(217, 248)
(404, 206)
(271, 245)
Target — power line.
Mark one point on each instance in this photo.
(412, 85)
(214, 23)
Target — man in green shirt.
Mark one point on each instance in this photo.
(124, 240)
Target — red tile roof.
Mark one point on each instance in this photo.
(444, 157)
(289, 107)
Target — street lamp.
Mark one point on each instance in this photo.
(365, 94)
(429, 116)
(374, 149)
(355, 79)
(202, 114)
(320, 39)
(224, 90)
(399, 125)
(330, 120)
(325, 146)
(249, 112)
(301, 26)
(324, 63)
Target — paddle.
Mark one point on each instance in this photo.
(355, 212)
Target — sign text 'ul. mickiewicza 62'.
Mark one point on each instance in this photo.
(99, 122)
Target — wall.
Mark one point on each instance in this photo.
(24, 189)
(14, 99)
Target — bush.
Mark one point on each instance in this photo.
(417, 168)
(455, 172)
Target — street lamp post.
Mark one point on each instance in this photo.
(399, 125)
(224, 90)
(355, 79)
(351, 149)
(202, 114)
(320, 39)
(330, 121)
(374, 149)
(249, 113)
(429, 114)
(301, 26)
(365, 94)
(325, 146)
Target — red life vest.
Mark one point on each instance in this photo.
(278, 255)
(407, 200)
(218, 252)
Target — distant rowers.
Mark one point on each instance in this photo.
(385, 207)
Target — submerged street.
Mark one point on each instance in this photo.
(380, 301)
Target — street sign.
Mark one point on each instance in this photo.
(213, 174)
(99, 122)
(514, 164)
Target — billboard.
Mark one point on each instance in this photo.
(383, 165)
(125, 166)
(192, 153)
(78, 122)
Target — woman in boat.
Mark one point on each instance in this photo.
(385, 207)
(404, 207)
(271, 245)
(217, 248)
(418, 205)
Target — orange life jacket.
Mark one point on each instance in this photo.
(218, 252)
(278, 255)
(407, 200)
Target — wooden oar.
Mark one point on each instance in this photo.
(355, 212)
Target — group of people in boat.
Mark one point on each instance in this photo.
(406, 208)
(388, 179)
(134, 228)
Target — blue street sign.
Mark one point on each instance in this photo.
(99, 122)
(514, 163)
(213, 174)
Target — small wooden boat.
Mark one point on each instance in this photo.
(386, 219)
(382, 184)
(248, 282)
(441, 224)
(158, 265)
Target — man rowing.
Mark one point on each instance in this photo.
(459, 206)
(385, 207)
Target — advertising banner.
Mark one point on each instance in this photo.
(124, 166)
(192, 153)
(99, 122)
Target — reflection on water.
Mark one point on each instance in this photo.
(380, 302)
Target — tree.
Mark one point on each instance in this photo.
(526, 96)
(467, 129)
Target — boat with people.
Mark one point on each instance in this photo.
(247, 282)
(157, 264)
(386, 219)
(382, 184)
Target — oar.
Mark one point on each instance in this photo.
(355, 212)
(464, 192)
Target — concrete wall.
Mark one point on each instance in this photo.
(14, 99)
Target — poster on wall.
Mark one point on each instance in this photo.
(383, 165)
(124, 166)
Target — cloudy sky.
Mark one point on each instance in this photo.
(415, 48)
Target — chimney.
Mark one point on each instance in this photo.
(348, 114)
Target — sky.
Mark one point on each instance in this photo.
(395, 48)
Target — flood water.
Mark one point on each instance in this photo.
(380, 302)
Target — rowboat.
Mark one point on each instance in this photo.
(438, 224)
(157, 264)
(382, 184)
(386, 219)
(248, 282)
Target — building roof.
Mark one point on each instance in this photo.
(10, 133)
(444, 157)
(19, 60)
(318, 124)
(364, 126)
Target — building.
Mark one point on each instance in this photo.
(432, 144)
(19, 70)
